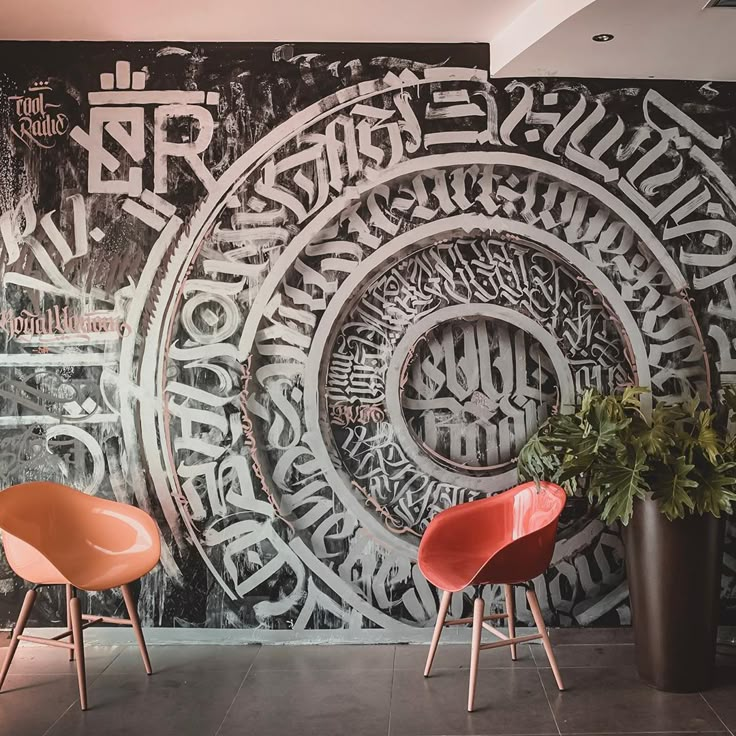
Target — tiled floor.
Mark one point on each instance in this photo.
(354, 691)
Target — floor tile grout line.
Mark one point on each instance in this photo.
(75, 702)
(68, 708)
(370, 669)
(98, 675)
(611, 644)
(391, 693)
(546, 666)
(715, 713)
(549, 704)
(235, 697)
(595, 733)
(534, 659)
(111, 662)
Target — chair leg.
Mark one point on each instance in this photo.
(25, 614)
(75, 613)
(475, 650)
(441, 616)
(509, 591)
(136, 623)
(539, 621)
(69, 596)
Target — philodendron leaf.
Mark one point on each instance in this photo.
(656, 438)
(706, 438)
(613, 453)
(589, 396)
(672, 487)
(607, 431)
(715, 488)
(631, 397)
(620, 483)
(574, 465)
(538, 461)
(568, 435)
(729, 397)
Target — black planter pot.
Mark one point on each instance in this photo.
(674, 573)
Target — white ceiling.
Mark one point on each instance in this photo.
(258, 20)
(662, 39)
(670, 39)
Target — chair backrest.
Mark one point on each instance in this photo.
(526, 543)
(534, 505)
(74, 531)
(511, 534)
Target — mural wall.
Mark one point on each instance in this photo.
(295, 300)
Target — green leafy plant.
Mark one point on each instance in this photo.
(609, 451)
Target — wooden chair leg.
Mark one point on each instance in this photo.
(475, 650)
(75, 613)
(69, 596)
(531, 596)
(441, 616)
(25, 614)
(130, 604)
(510, 610)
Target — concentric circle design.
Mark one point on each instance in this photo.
(386, 337)
(474, 388)
(464, 397)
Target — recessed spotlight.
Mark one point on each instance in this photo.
(603, 37)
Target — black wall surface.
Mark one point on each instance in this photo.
(295, 299)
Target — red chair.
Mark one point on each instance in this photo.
(56, 535)
(507, 539)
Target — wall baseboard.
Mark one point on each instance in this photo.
(116, 635)
(112, 636)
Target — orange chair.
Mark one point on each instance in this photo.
(56, 535)
(507, 539)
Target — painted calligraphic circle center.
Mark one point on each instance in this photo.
(455, 370)
(474, 390)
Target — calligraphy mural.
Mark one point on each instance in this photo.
(295, 301)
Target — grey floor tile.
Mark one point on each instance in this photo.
(615, 700)
(588, 655)
(160, 705)
(186, 659)
(311, 703)
(508, 701)
(592, 635)
(722, 696)
(325, 657)
(33, 659)
(457, 656)
(30, 704)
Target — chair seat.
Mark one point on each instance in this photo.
(508, 538)
(91, 571)
(53, 534)
(452, 572)
(28, 563)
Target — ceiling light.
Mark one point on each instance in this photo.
(603, 37)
